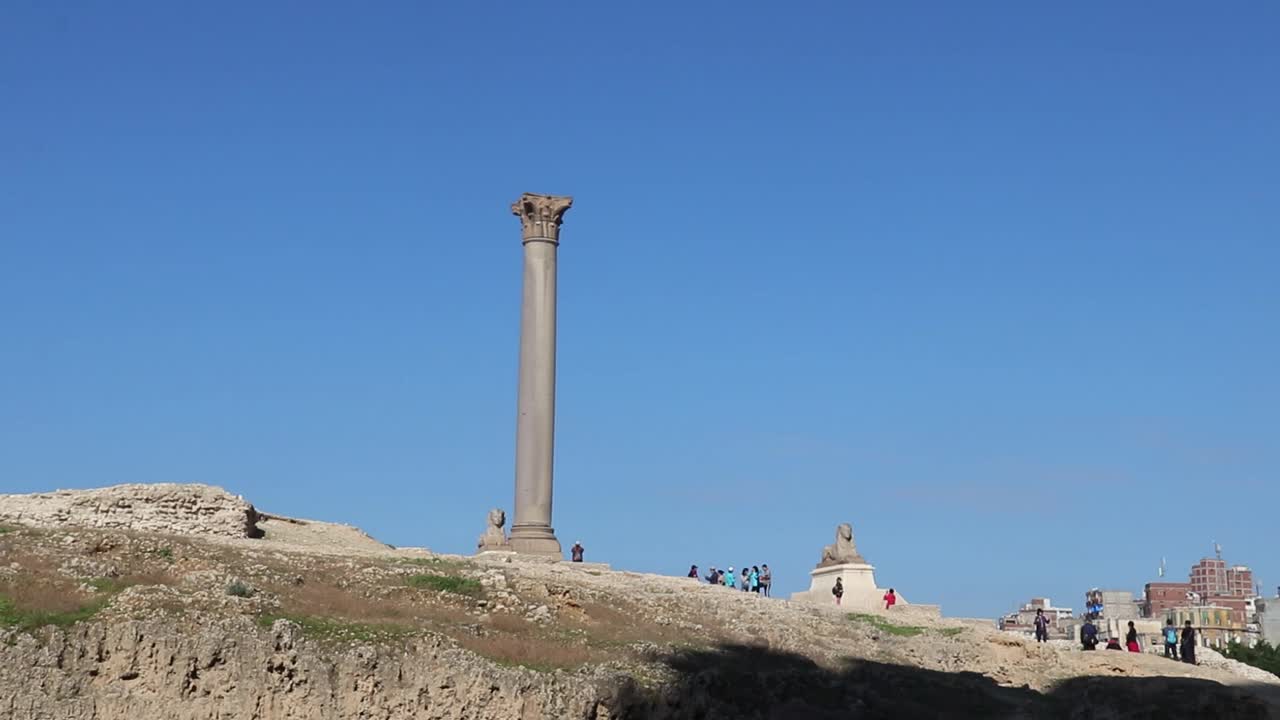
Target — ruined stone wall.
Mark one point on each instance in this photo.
(165, 508)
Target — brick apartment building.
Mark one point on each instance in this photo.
(1212, 577)
(1212, 584)
(1240, 582)
(1160, 597)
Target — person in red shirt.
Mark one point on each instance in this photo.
(890, 599)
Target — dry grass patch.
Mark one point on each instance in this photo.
(616, 626)
(33, 602)
(327, 596)
(528, 651)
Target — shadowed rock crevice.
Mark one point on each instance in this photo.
(739, 681)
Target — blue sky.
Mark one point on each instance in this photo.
(996, 283)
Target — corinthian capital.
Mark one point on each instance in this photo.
(541, 215)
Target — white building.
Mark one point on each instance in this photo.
(1023, 621)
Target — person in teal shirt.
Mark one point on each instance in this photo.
(729, 581)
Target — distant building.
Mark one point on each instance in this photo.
(1216, 626)
(1211, 577)
(1112, 605)
(1269, 618)
(1023, 620)
(1241, 612)
(1240, 582)
(1159, 597)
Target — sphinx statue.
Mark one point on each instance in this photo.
(842, 550)
(494, 537)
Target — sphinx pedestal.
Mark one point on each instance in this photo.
(860, 591)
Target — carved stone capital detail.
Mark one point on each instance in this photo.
(541, 215)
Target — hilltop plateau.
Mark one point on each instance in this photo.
(186, 602)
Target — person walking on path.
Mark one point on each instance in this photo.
(890, 599)
(766, 579)
(744, 579)
(1170, 640)
(729, 580)
(838, 590)
(1042, 626)
(1088, 635)
(713, 577)
(1189, 644)
(575, 552)
(693, 571)
(755, 579)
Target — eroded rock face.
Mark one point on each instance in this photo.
(213, 668)
(179, 509)
(231, 670)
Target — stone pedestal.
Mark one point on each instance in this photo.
(860, 591)
(540, 217)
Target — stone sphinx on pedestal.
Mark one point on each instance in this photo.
(841, 560)
(494, 538)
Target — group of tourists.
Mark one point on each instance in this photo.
(1177, 646)
(756, 579)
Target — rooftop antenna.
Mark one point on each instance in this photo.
(1217, 550)
(1162, 566)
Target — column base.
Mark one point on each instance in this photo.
(536, 540)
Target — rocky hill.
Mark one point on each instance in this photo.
(185, 602)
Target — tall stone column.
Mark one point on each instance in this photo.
(540, 217)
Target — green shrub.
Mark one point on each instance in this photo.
(1262, 656)
(6, 529)
(240, 590)
(107, 585)
(885, 626)
(437, 564)
(27, 620)
(446, 583)
(337, 629)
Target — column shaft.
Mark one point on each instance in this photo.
(540, 217)
(535, 424)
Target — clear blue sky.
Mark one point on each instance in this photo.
(996, 283)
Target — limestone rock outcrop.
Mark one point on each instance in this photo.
(223, 669)
(178, 509)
